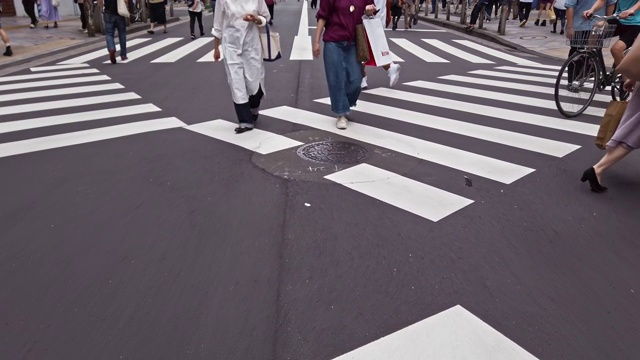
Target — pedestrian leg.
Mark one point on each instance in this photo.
(192, 21)
(122, 36)
(7, 43)
(29, 9)
(254, 103)
(270, 7)
(199, 18)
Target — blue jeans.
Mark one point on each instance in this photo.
(111, 23)
(344, 75)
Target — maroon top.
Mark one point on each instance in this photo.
(340, 22)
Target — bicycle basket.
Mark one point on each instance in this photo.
(598, 37)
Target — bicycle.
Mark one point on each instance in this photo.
(584, 72)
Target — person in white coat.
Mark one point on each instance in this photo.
(236, 27)
(393, 69)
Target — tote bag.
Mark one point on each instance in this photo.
(270, 45)
(378, 46)
(122, 8)
(610, 122)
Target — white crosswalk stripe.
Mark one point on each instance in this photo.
(515, 86)
(25, 110)
(257, 140)
(165, 51)
(489, 111)
(496, 53)
(485, 94)
(85, 136)
(102, 53)
(522, 141)
(418, 51)
(450, 335)
(400, 191)
(45, 83)
(440, 154)
(183, 51)
(457, 52)
(148, 49)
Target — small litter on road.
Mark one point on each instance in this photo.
(307, 204)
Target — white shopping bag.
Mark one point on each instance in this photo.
(379, 53)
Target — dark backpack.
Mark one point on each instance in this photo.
(396, 3)
(190, 3)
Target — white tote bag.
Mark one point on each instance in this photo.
(377, 42)
(270, 45)
(55, 3)
(122, 8)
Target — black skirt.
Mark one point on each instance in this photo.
(158, 15)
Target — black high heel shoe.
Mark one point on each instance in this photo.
(590, 175)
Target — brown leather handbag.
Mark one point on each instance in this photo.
(362, 49)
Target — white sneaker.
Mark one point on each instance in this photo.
(394, 74)
(341, 122)
(364, 84)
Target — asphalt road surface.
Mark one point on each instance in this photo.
(450, 223)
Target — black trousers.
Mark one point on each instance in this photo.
(83, 19)
(524, 9)
(314, 4)
(244, 112)
(29, 9)
(561, 15)
(193, 16)
(270, 7)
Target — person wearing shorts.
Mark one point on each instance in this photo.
(5, 38)
(543, 9)
(628, 26)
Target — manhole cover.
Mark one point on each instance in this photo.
(333, 152)
(533, 37)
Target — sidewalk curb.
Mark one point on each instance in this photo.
(132, 29)
(485, 35)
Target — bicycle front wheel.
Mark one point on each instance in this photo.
(617, 90)
(576, 84)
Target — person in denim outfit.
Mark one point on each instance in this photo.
(337, 21)
(113, 21)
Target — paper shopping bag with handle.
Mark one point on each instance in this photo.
(378, 46)
(610, 122)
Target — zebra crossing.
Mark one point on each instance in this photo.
(183, 49)
(464, 118)
(57, 88)
(47, 91)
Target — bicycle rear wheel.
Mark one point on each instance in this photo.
(576, 84)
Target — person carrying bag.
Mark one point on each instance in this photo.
(626, 137)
